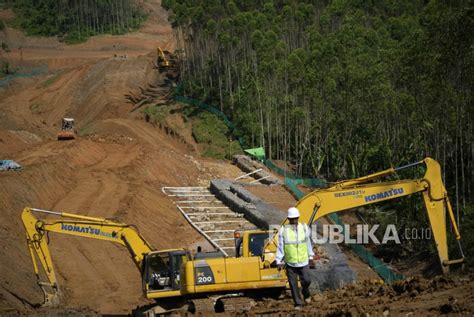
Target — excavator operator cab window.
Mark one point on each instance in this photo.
(159, 271)
(257, 243)
(163, 270)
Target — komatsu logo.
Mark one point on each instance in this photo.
(385, 194)
(88, 230)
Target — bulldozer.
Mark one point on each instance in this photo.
(67, 130)
(177, 279)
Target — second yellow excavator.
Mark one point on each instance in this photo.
(165, 60)
(176, 278)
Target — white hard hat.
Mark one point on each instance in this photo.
(293, 212)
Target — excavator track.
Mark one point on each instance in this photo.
(202, 306)
(219, 304)
(234, 304)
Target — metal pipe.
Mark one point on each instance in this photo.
(201, 208)
(203, 233)
(248, 174)
(257, 180)
(222, 221)
(408, 165)
(47, 211)
(186, 195)
(214, 214)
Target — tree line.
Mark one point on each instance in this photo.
(76, 20)
(339, 88)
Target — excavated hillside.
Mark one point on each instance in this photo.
(116, 168)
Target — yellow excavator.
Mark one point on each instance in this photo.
(164, 60)
(172, 277)
(177, 278)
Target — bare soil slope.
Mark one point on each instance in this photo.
(115, 169)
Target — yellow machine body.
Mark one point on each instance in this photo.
(165, 59)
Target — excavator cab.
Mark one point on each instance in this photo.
(67, 130)
(161, 270)
(250, 242)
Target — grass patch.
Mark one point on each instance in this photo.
(87, 130)
(5, 47)
(5, 68)
(157, 114)
(208, 130)
(213, 135)
(75, 37)
(51, 80)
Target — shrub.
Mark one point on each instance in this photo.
(213, 134)
(5, 68)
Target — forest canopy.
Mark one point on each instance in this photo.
(339, 88)
(76, 20)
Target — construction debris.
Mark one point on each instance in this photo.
(150, 95)
(160, 91)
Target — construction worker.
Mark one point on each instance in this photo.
(295, 249)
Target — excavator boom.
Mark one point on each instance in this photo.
(77, 225)
(362, 191)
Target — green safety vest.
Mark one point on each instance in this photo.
(296, 249)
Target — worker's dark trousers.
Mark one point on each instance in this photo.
(303, 273)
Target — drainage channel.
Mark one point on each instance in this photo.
(209, 216)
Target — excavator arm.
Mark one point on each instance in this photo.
(362, 191)
(163, 60)
(37, 238)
